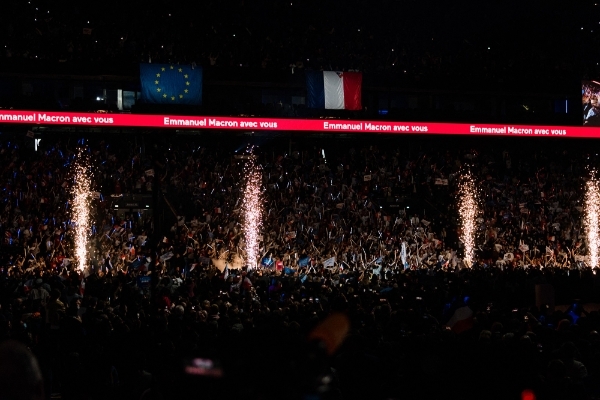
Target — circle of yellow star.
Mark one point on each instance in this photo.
(186, 90)
(187, 83)
(158, 90)
(172, 67)
(165, 95)
(158, 75)
(156, 82)
(181, 96)
(163, 69)
(173, 98)
(180, 70)
(185, 76)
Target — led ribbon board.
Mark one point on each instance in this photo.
(291, 124)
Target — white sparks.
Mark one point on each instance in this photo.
(81, 210)
(591, 218)
(252, 209)
(468, 210)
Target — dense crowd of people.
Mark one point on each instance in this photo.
(362, 288)
(422, 40)
(367, 229)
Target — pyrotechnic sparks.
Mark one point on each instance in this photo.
(591, 218)
(252, 209)
(468, 209)
(80, 208)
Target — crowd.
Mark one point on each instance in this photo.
(366, 228)
(421, 40)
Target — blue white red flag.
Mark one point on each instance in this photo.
(334, 90)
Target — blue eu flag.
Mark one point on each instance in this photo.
(171, 84)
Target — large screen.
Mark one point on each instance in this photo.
(590, 99)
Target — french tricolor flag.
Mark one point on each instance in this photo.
(461, 320)
(333, 90)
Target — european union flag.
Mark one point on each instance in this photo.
(171, 84)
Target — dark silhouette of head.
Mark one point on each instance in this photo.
(20, 376)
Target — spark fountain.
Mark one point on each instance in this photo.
(468, 209)
(252, 210)
(81, 208)
(591, 219)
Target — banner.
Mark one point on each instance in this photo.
(289, 124)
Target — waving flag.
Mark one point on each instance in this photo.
(267, 261)
(334, 90)
(461, 320)
(304, 261)
(330, 262)
(403, 255)
(171, 84)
